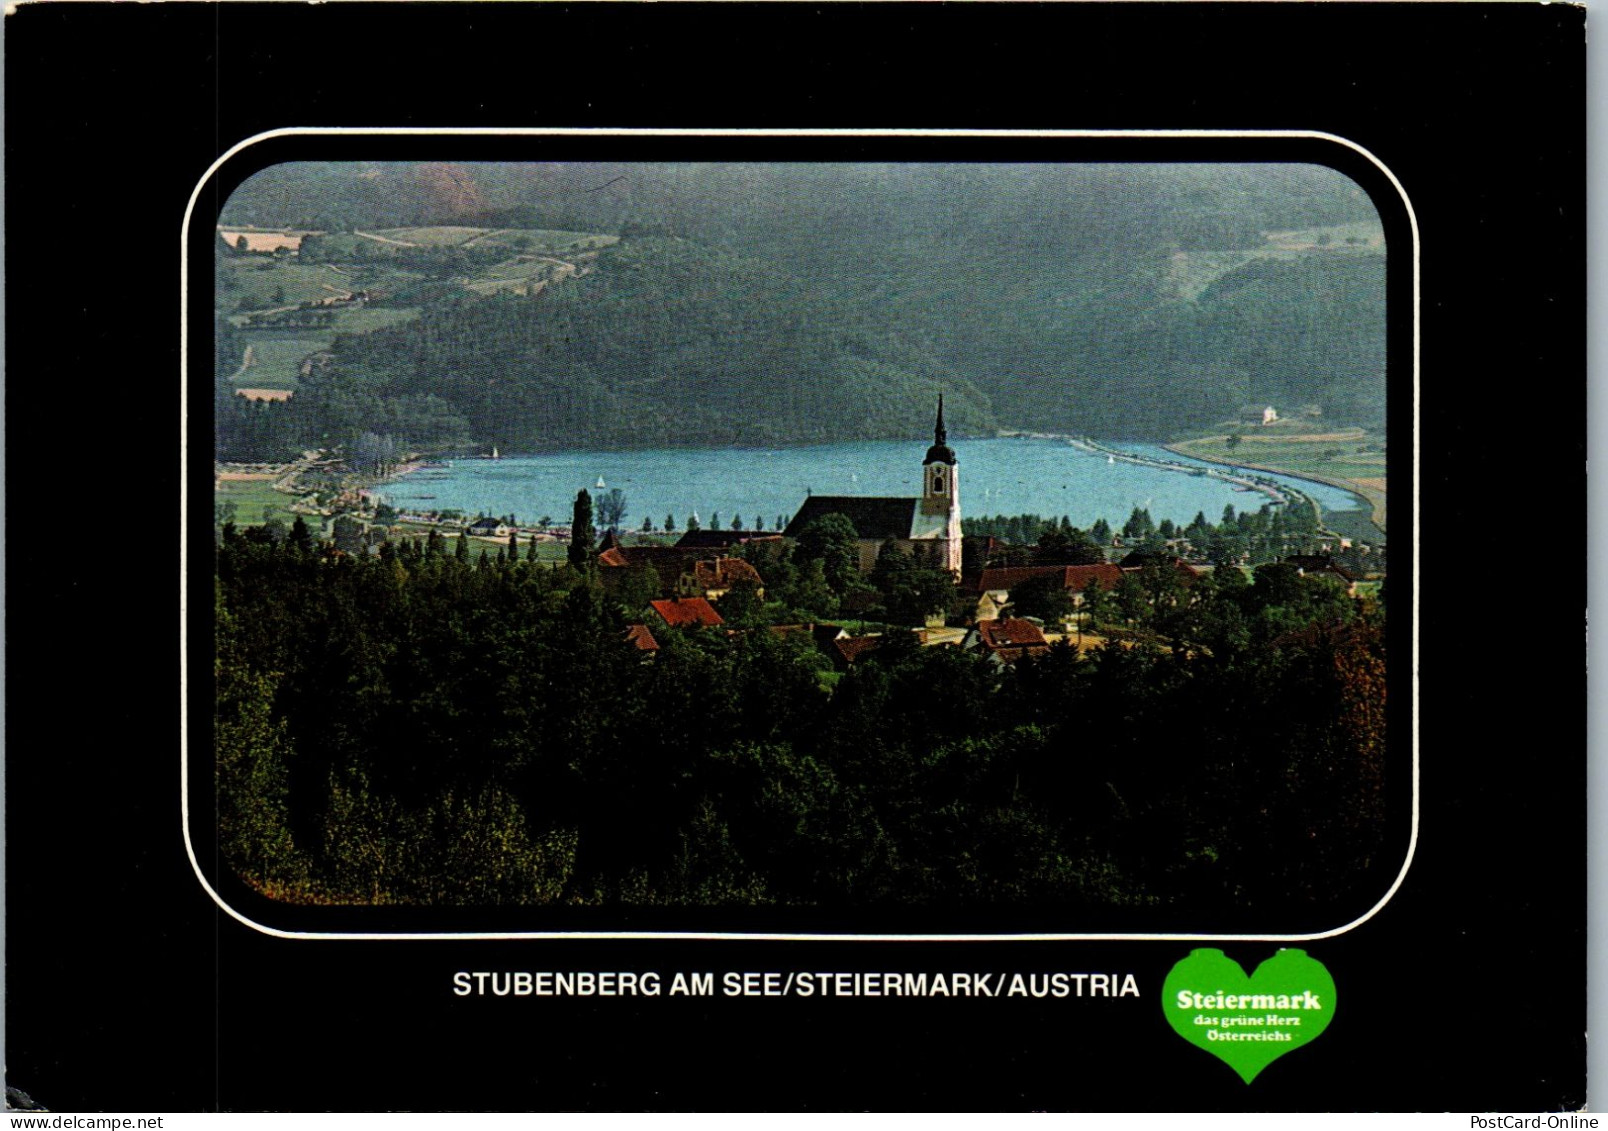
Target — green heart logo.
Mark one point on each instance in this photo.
(1248, 1022)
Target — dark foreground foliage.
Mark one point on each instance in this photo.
(421, 729)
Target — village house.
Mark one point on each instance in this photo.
(638, 636)
(715, 578)
(687, 612)
(679, 571)
(1323, 565)
(1006, 640)
(993, 586)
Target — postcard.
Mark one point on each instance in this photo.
(781, 617)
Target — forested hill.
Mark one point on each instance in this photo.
(671, 342)
(792, 303)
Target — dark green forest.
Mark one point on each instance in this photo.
(787, 303)
(418, 728)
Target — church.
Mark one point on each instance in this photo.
(927, 527)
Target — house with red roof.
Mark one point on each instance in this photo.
(688, 612)
(639, 636)
(1006, 639)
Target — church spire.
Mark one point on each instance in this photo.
(940, 452)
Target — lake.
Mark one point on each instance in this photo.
(997, 476)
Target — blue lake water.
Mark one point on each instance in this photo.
(997, 476)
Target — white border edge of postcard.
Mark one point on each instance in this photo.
(611, 131)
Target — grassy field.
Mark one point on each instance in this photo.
(256, 281)
(444, 236)
(516, 285)
(1351, 458)
(251, 498)
(1192, 272)
(534, 240)
(544, 241)
(275, 362)
(518, 269)
(362, 319)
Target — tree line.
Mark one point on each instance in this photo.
(427, 727)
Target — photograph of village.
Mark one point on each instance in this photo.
(826, 537)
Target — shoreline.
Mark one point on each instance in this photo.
(407, 467)
(1376, 500)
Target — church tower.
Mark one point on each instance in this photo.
(940, 495)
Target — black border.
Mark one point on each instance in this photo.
(126, 987)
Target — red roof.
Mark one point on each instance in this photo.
(639, 635)
(851, 648)
(1105, 575)
(688, 611)
(613, 556)
(723, 573)
(1012, 633)
(1073, 578)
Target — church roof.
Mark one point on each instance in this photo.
(873, 517)
(720, 539)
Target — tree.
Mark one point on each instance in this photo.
(1057, 546)
(669, 524)
(1044, 597)
(253, 753)
(831, 540)
(647, 526)
(693, 523)
(611, 509)
(242, 245)
(582, 533)
(742, 600)
(513, 545)
(348, 534)
(1101, 532)
(736, 522)
(1139, 525)
(1097, 606)
(1131, 600)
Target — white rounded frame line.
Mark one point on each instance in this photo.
(625, 132)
